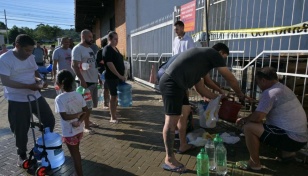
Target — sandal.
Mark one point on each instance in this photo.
(94, 125)
(114, 121)
(245, 166)
(89, 131)
(179, 169)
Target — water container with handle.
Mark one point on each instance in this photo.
(53, 144)
(124, 94)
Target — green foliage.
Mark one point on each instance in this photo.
(43, 33)
(2, 25)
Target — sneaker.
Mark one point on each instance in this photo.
(89, 131)
(21, 159)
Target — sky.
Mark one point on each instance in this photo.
(30, 13)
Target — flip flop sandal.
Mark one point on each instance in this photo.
(178, 169)
(114, 121)
(95, 125)
(90, 132)
(245, 166)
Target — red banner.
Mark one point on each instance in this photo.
(188, 15)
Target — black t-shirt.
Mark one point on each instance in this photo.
(99, 58)
(192, 64)
(111, 55)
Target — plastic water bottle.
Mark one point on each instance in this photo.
(55, 156)
(100, 95)
(217, 140)
(80, 90)
(58, 90)
(88, 98)
(84, 66)
(202, 163)
(210, 150)
(221, 159)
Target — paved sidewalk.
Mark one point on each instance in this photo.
(132, 147)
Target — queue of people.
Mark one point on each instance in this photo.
(285, 126)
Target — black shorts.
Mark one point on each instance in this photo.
(173, 95)
(278, 138)
(112, 86)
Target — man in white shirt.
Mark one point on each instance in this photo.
(183, 41)
(88, 79)
(18, 72)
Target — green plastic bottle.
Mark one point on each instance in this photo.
(217, 140)
(80, 90)
(203, 163)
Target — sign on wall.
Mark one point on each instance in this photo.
(188, 15)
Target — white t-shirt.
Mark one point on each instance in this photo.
(71, 103)
(183, 44)
(63, 56)
(284, 111)
(86, 55)
(22, 71)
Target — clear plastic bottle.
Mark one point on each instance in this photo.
(221, 159)
(202, 163)
(100, 95)
(210, 150)
(88, 98)
(217, 140)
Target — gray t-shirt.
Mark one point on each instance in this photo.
(284, 111)
(38, 55)
(64, 58)
(192, 64)
(86, 55)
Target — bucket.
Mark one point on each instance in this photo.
(55, 156)
(228, 110)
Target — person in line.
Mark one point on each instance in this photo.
(3, 49)
(62, 58)
(73, 110)
(88, 79)
(101, 69)
(45, 53)
(183, 41)
(72, 44)
(38, 53)
(114, 71)
(185, 72)
(285, 126)
(19, 76)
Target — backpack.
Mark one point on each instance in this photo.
(99, 58)
(163, 67)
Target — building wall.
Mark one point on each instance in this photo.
(120, 25)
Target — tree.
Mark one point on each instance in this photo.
(13, 33)
(2, 25)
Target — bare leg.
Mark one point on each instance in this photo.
(74, 151)
(106, 97)
(87, 120)
(253, 132)
(113, 107)
(182, 125)
(168, 135)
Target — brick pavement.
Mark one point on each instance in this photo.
(133, 147)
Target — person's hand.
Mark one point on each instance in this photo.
(34, 86)
(45, 85)
(80, 114)
(240, 121)
(83, 84)
(122, 78)
(76, 123)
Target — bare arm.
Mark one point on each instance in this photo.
(255, 117)
(210, 83)
(6, 81)
(54, 68)
(71, 116)
(114, 71)
(229, 77)
(203, 91)
(78, 73)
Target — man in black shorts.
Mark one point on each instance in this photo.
(185, 72)
(286, 122)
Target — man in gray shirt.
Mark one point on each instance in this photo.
(38, 53)
(88, 79)
(62, 58)
(286, 123)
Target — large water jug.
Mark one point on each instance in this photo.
(55, 156)
(125, 95)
